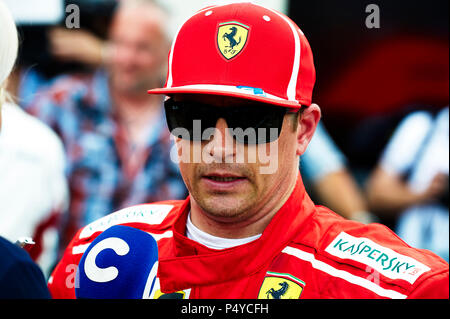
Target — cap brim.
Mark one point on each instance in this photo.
(229, 92)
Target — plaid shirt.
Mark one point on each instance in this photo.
(103, 176)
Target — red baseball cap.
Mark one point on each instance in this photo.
(242, 50)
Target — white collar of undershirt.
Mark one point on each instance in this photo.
(213, 242)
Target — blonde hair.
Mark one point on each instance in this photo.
(9, 44)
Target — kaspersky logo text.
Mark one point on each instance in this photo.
(384, 260)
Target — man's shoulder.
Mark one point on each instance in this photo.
(374, 251)
(12, 255)
(38, 140)
(155, 218)
(20, 277)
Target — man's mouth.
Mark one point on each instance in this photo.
(223, 179)
(223, 176)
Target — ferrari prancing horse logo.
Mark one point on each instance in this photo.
(231, 38)
(280, 286)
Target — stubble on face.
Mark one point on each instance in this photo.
(225, 204)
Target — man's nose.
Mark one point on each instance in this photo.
(221, 147)
(123, 54)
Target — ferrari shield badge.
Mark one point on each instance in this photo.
(280, 286)
(231, 38)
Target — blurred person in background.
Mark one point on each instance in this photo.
(410, 181)
(20, 277)
(375, 76)
(115, 135)
(33, 186)
(329, 181)
(39, 62)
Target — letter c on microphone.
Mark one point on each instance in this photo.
(120, 263)
(97, 274)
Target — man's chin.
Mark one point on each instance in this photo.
(127, 84)
(224, 207)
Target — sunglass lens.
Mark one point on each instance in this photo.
(249, 124)
(257, 124)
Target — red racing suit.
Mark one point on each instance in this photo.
(306, 251)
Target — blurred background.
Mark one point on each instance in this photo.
(383, 142)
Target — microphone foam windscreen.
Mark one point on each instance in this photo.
(121, 263)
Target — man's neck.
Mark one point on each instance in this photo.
(134, 100)
(213, 242)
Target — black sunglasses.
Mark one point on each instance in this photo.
(250, 123)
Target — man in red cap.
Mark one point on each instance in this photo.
(239, 89)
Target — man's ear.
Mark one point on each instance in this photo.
(307, 123)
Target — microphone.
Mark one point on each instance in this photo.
(121, 263)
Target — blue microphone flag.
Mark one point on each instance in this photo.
(121, 263)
